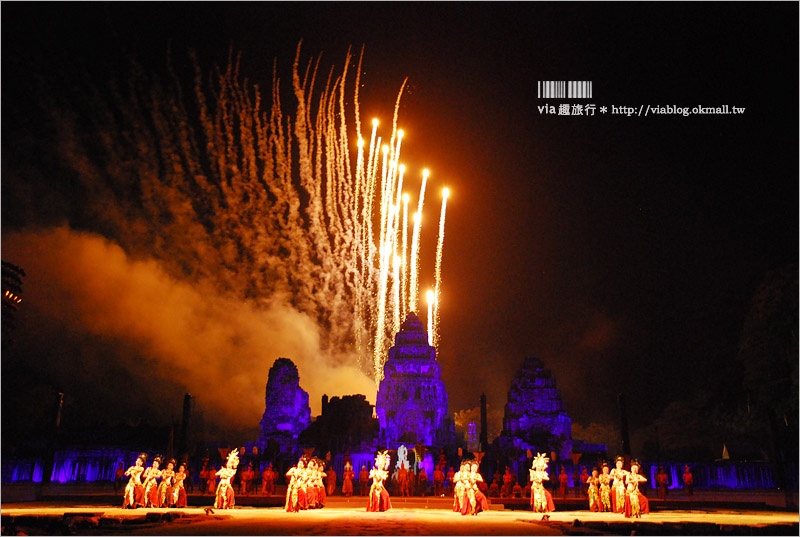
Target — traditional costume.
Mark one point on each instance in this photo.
(636, 503)
(150, 484)
(378, 495)
(594, 492)
(618, 488)
(134, 490)
(605, 490)
(224, 498)
(178, 490)
(165, 488)
(541, 499)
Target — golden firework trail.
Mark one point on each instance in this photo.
(438, 288)
(262, 203)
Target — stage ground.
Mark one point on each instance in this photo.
(42, 518)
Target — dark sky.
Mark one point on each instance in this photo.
(623, 251)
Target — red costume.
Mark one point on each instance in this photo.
(134, 491)
(178, 490)
(635, 502)
(541, 499)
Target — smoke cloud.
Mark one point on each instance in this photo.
(165, 334)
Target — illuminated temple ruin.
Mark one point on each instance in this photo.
(412, 400)
(535, 417)
(286, 409)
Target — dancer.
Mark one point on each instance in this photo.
(178, 490)
(347, 479)
(311, 483)
(211, 478)
(594, 493)
(618, 494)
(150, 486)
(459, 479)
(562, 483)
(475, 501)
(378, 495)
(635, 502)
(541, 499)
(605, 490)
(224, 497)
(165, 488)
(293, 491)
(363, 479)
(134, 490)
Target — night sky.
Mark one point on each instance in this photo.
(623, 251)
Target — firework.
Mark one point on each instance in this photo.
(258, 203)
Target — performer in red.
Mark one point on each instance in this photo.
(378, 495)
(150, 485)
(688, 482)
(618, 487)
(211, 478)
(605, 490)
(165, 488)
(541, 499)
(247, 478)
(268, 481)
(438, 481)
(363, 479)
(311, 488)
(134, 491)
(562, 482)
(636, 503)
(594, 492)
(347, 479)
(584, 484)
(450, 474)
(661, 483)
(224, 496)
(508, 483)
(402, 480)
(330, 480)
(178, 490)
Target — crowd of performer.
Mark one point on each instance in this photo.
(310, 482)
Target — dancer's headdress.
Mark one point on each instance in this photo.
(233, 457)
(540, 461)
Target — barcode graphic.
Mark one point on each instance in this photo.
(561, 89)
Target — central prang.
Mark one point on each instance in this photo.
(412, 400)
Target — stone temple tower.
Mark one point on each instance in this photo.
(286, 409)
(412, 401)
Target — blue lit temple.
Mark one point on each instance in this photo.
(412, 401)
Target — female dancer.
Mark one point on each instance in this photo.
(605, 490)
(165, 488)
(293, 492)
(541, 499)
(459, 478)
(378, 495)
(134, 491)
(178, 490)
(150, 486)
(594, 492)
(224, 497)
(618, 494)
(635, 501)
(475, 500)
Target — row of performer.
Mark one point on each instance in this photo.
(156, 487)
(614, 490)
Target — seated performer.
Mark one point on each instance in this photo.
(178, 490)
(378, 495)
(247, 477)
(541, 499)
(150, 485)
(618, 487)
(605, 490)
(635, 501)
(134, 490)
(224, 497)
